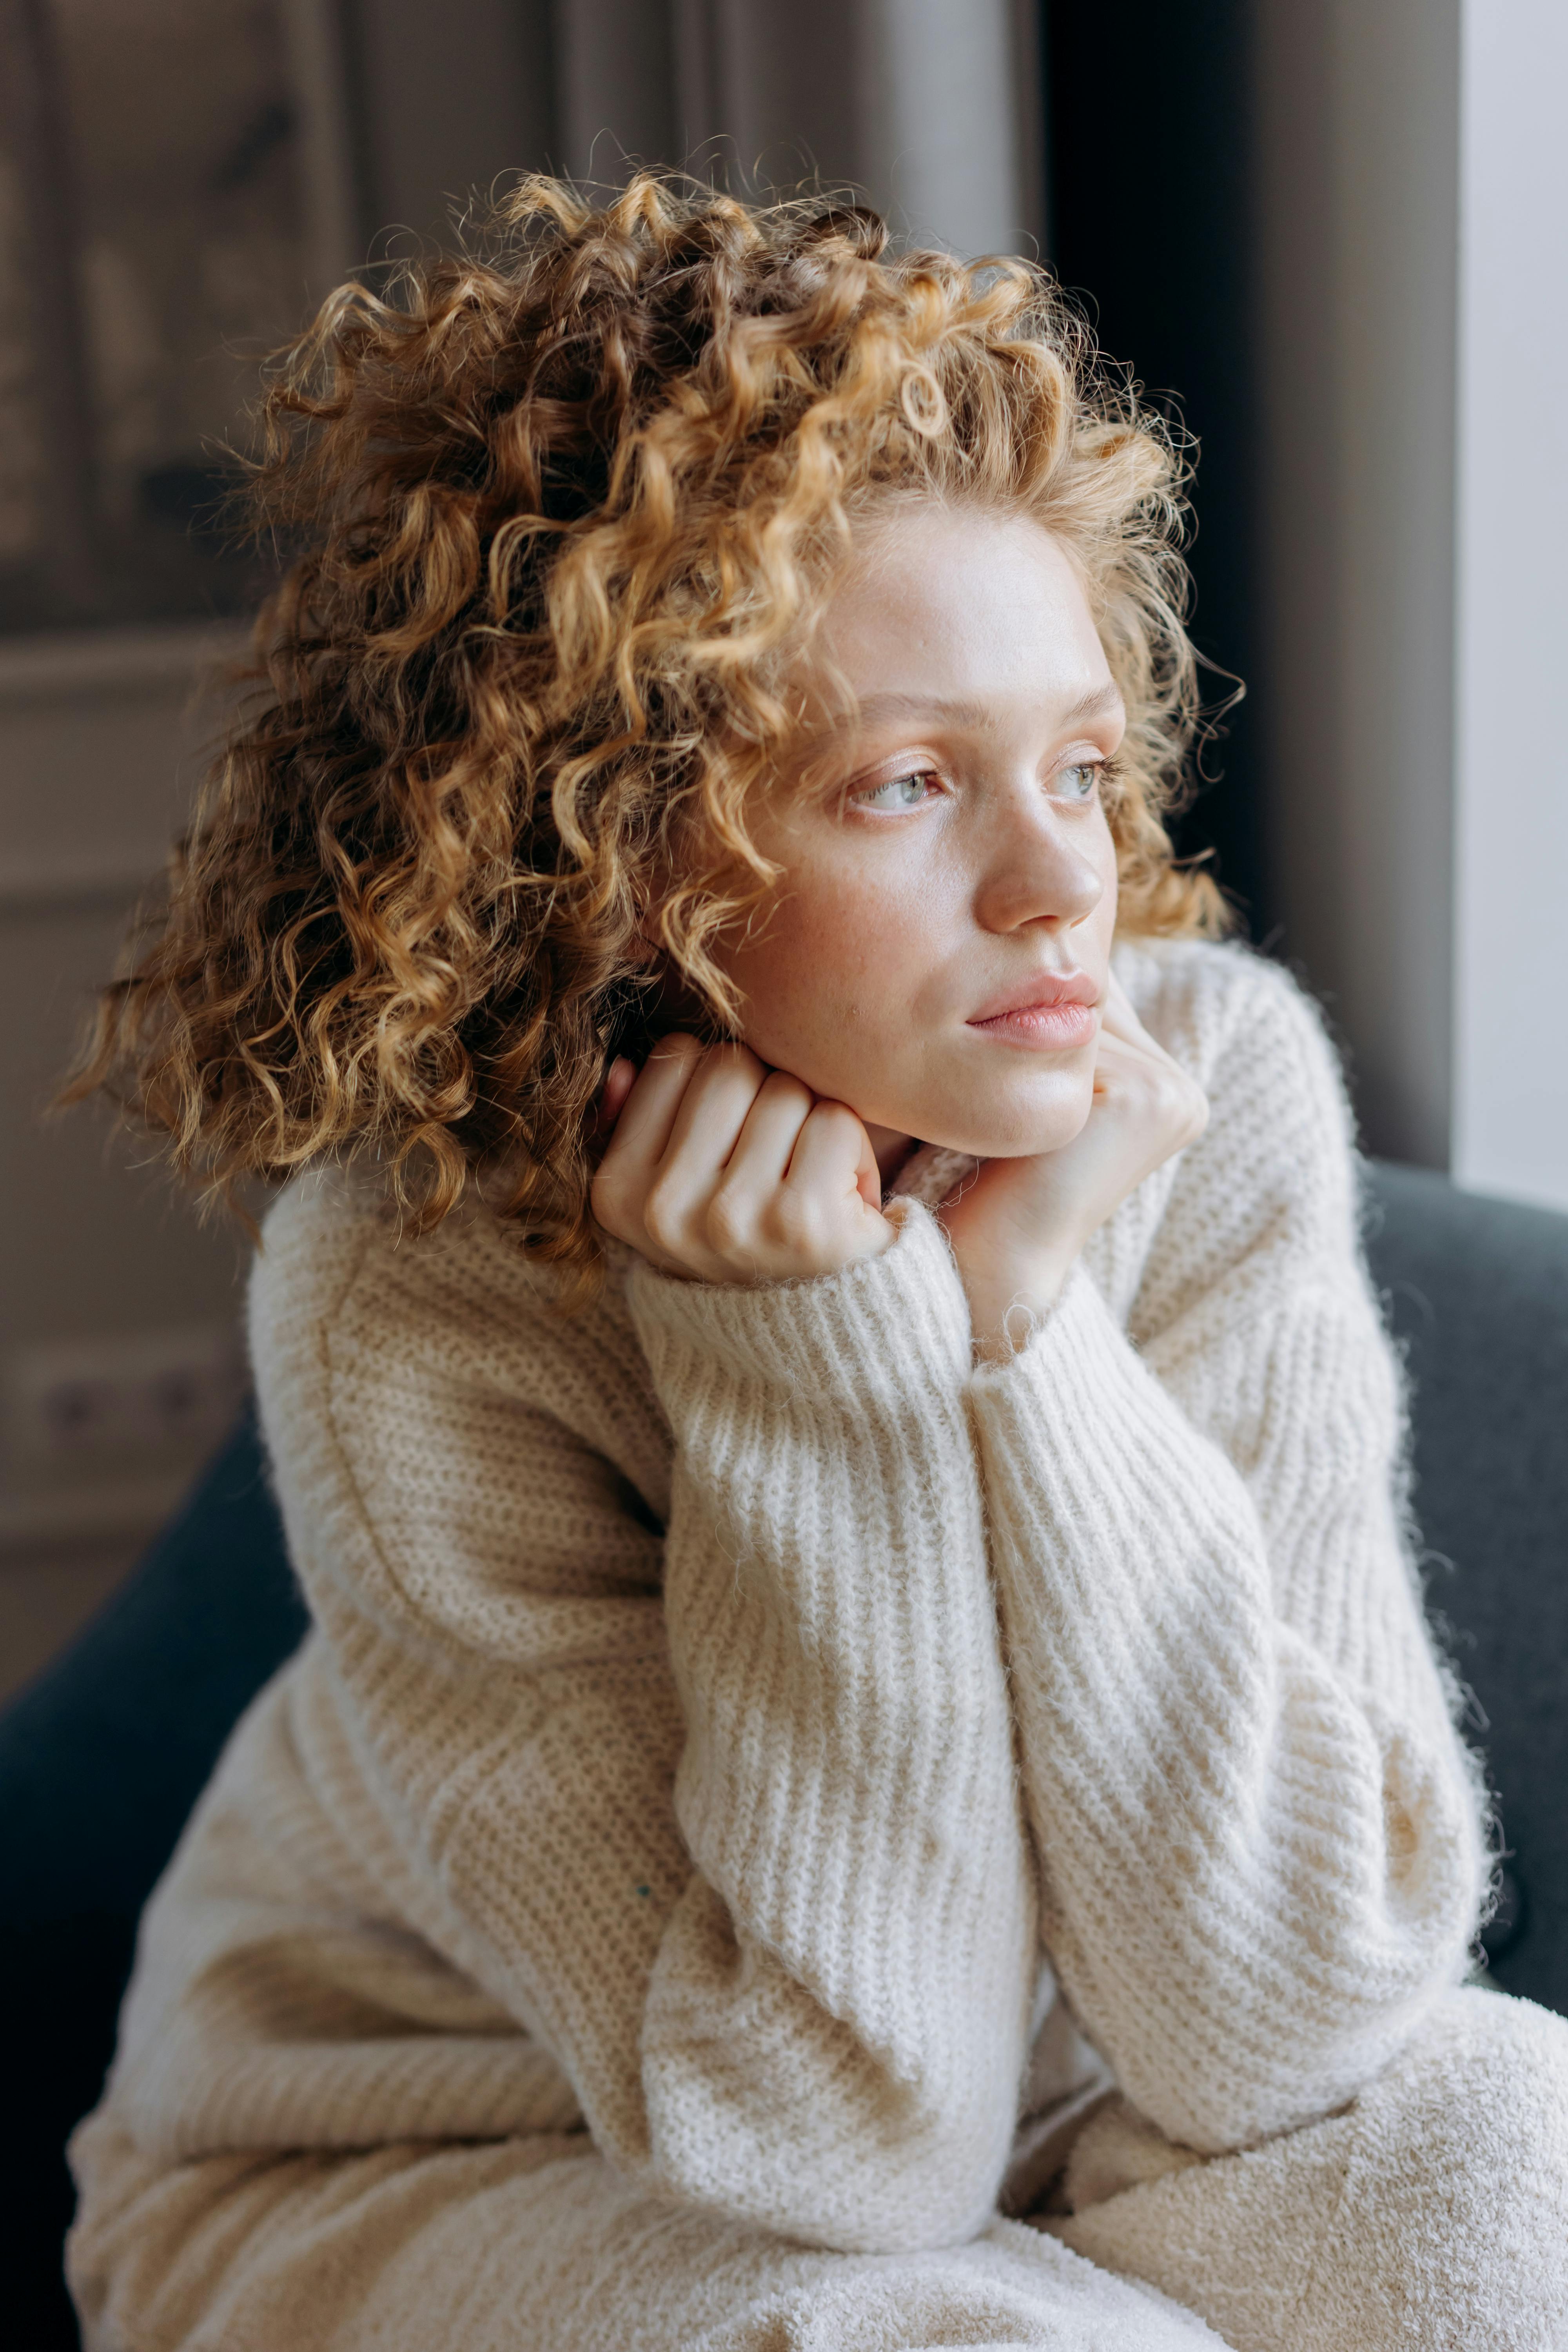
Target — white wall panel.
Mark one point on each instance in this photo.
(1511, 963)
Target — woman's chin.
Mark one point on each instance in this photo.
(1026, 1136)
(984, 1140)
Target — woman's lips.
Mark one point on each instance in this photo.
(1054, 1026)
(1054, 1010)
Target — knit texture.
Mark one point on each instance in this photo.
(729, 1715)
(1432, 2212)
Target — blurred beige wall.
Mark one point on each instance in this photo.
(117, 1364)
(120, 1359)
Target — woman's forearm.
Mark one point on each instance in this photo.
(1257, 1864)
(835, 2029)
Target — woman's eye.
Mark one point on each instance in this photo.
(897, 792)
(1078, 782)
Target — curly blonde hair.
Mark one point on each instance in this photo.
(572, 502)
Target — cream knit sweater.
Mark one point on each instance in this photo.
(721, 1702)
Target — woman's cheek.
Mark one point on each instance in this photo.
(832, 1031)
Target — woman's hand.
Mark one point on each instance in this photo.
(1018, 1228)
(721, 1170)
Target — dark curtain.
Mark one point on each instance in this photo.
(1147, 113)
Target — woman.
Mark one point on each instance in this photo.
(869, 1770)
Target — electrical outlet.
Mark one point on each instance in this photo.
(173, 1391)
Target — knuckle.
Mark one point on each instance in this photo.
(663, 1218)
(727, 1223)
(676, 1047)
(833, 1118)
(733, 1055)
(793, 1219)
(1183, 1107)
(781, 1087)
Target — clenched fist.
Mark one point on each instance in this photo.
(721, 1170)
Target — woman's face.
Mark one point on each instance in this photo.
(939, 943)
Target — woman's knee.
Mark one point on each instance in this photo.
(1432, 2210)
(1455, 2208)
(1482, 2090)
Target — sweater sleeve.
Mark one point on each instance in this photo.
(1258, 1833)
(747, 1855)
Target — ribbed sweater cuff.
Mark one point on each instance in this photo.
(1076, 1431)
(878, 1332)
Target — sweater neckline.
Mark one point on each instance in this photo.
(932, 1174)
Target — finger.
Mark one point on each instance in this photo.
(620, 1080)
(1122, 1066)
(1114, 1053)
(653, 1099)
(833, 1154)
(1118, 1021)
(761, 1157)
(1152, 1087)
(1117, 1017)
(713, 1111)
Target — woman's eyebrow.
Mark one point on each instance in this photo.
(1099, 702)
(877, 708)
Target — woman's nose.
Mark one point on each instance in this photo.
(1035, 872)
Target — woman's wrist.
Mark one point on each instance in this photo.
(887, 1330)
(1005, 1302)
